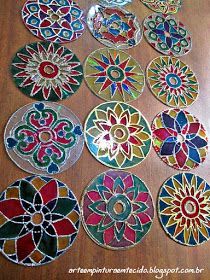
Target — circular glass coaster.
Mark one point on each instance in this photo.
(167, 35)
(58, 21)
(117, 135)
(113, 3)
(183, 208)
(179, 139)
(44, 138)
(39, 220)
(114, 75)
(172, 81)
(114, 27)
(117, 210)
(163, 6)
(47, 71)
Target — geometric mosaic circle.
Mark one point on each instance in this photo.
(172, 81)
(44, 138)
(114, 27)
(46, 71)
(117, 135)
(179, 139)
(117, 210)
(113, 3)
(58, 21)
(40, 219)
(114, 75)
(163, 6)
(183, 208)
(167, 35)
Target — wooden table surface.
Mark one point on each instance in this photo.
(156, 249)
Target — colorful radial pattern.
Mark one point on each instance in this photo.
(47, 71)
(117, 135)
(39, 220)
(114, 75)
(44, 138)
(184, 211)
(167, 35)
(117, 210)
(113, 3)
(179, 139)
(163, 6)
(172, 81)
(114, 27)
(58, 21)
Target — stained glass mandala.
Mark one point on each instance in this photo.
(114, 27)
(47, 71)
(117, 210)
(163, 6)
(58, 21)
(114, 75)
(44, 138)
(179, 139)
(39, 220)
(117, 135)
(167, 35)
(172, 81)
(183, 207)
(113, 3)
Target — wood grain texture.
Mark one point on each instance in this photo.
(156, 249)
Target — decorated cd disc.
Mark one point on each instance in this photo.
(114, 27)
(113, 3)
(183, 208)
(179, 139)
(163, 6)
(47, 71)
(58, 21)
(167, 35)
(39, 220)
(44, 138)
(114, 75)
(117, 135)
(172, 81)
(117, 210)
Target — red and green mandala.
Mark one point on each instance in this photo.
(183, 208)
(117, 210)
(44, 138)
(47, 71)
(39, 220)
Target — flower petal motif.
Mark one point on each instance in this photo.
(172, 81)
(112, 227)
(37, 215)
(46, 71)
(117, 135)
(179, 139)
(183, 205)
(114, 75)
(44, 138)
(167, 35)
(60, 21)
(114, 27)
